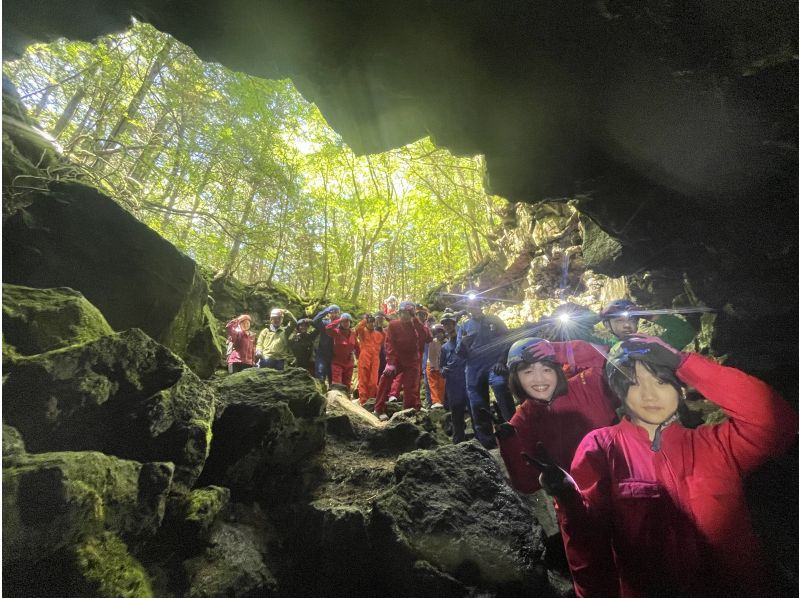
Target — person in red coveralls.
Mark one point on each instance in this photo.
(370, 342)
(405, 340)
(656, 509)
(556, 410)
(344, 345)
(241, 344)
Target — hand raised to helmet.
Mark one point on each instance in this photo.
(652, 350)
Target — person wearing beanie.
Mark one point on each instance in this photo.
(557, 408)
(655, 509)
(344, 346)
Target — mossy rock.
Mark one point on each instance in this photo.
(40, 320)
(13, 445)
(107, 569)
(98, 566)
(123, 394)
(74, 236)
(53, 501)
(193, 514)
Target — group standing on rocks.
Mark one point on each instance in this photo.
(644, 503)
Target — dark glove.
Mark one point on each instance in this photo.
(504, 430)
(652, 350)
(500, 369)
(494, 418)
(554, 480)
(445, 371)
(389, 371)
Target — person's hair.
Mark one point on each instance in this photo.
(519, 393)
(621, 377)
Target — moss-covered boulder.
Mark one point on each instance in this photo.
(123, 394)
(452, 508)
(266, 423)
(13, 445)
(96, 567)
(53, 501)
(74, 236)
(41, 320)
(193, 514)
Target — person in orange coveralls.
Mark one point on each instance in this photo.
(405, 340)
(344, 345)
(436, 380)
(370, 342)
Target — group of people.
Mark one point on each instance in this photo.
(646, 506)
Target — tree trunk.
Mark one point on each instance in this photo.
(136, 101)
(236, 246)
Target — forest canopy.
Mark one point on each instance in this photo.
(246, 177)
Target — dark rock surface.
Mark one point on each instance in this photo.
(452, 508)
(232, 565)
(125, 269)
(123, 394)
(266, 423)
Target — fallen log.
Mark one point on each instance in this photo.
(337, 397)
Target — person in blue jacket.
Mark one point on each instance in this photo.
(484, 345)
(453, 369)
(322, 362)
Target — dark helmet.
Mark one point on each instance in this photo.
(303, 321)
(437, 328)
(618, 308)
(530, 350)
(448, 317)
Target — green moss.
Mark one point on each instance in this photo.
(109, 571)
(203, 504)
(40, 320)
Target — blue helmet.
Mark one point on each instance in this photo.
(408, 306)
(530, 350)
(346, 316)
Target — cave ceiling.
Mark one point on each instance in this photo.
(673, 122)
